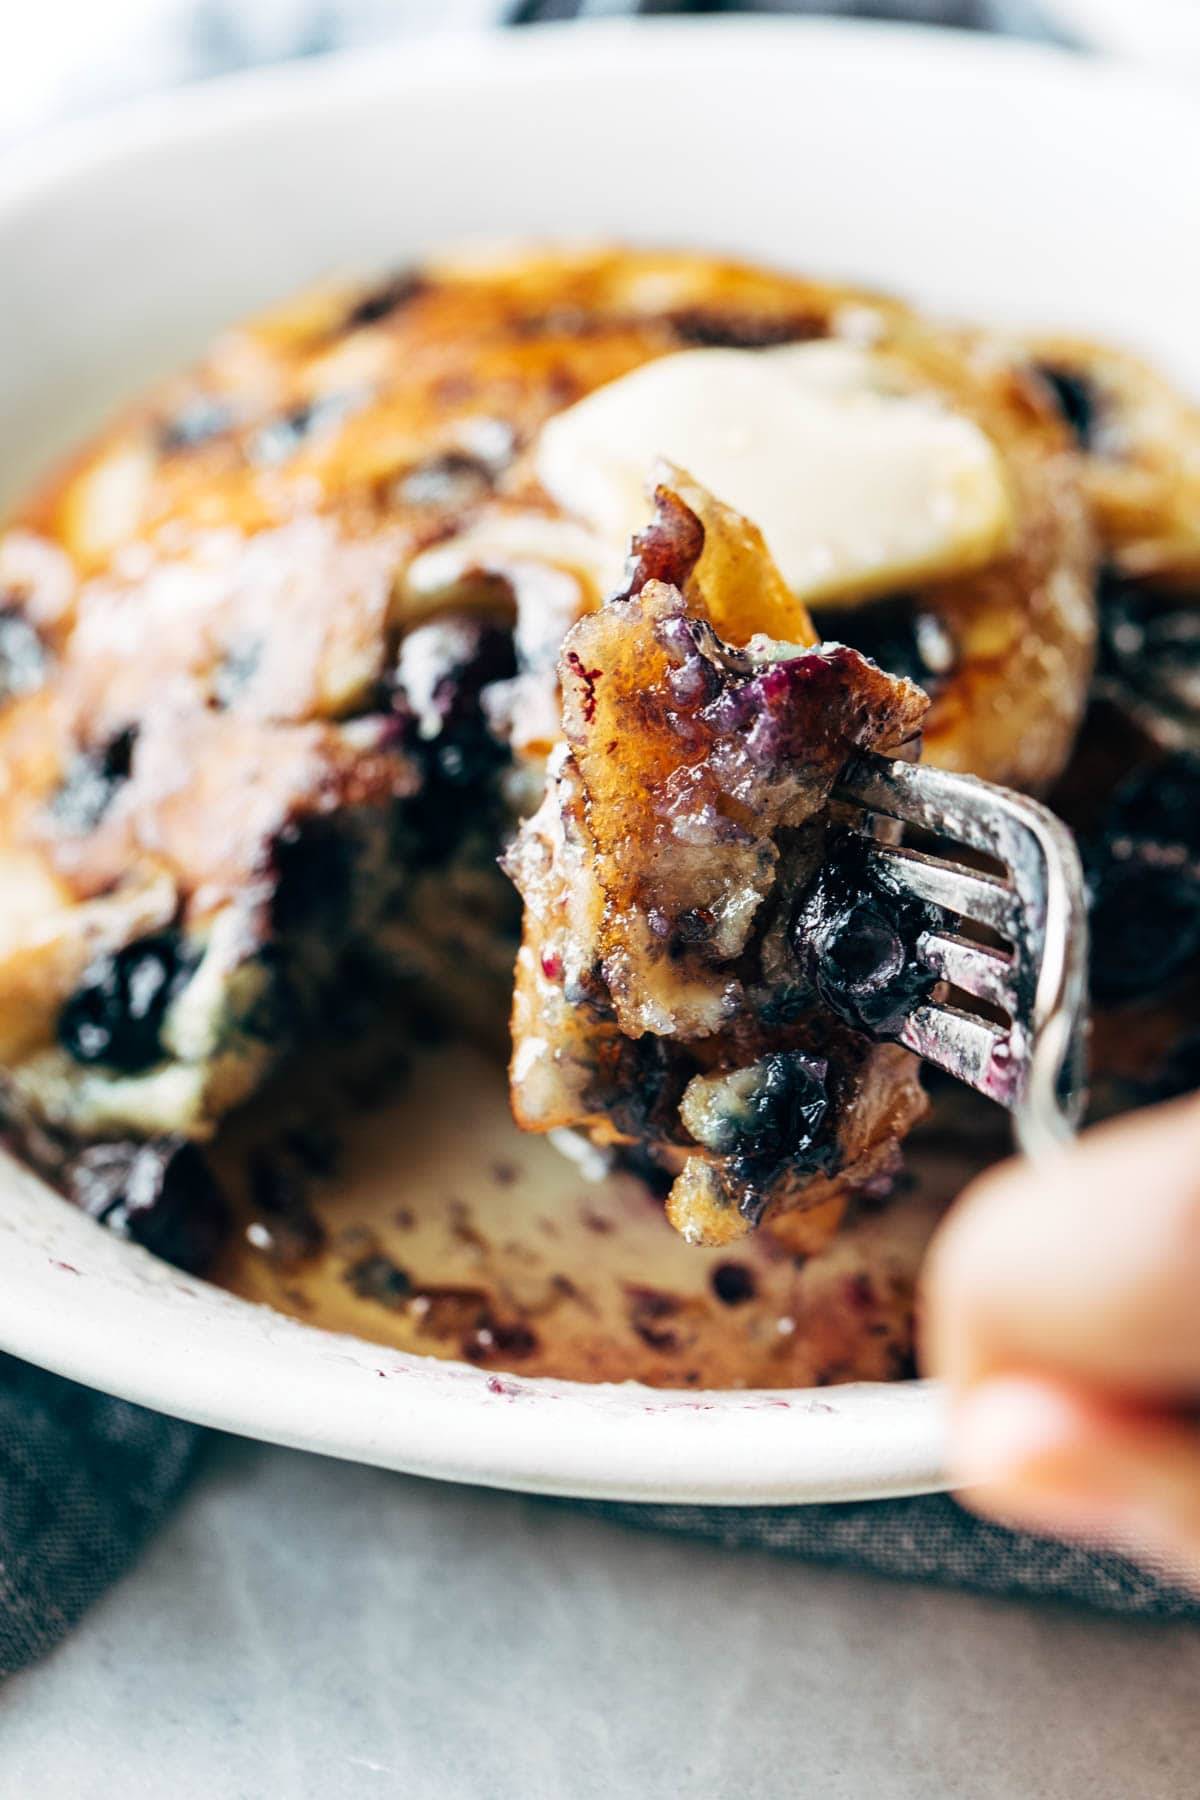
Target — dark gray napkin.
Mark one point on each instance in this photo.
(84, 1479)
(929, 1539)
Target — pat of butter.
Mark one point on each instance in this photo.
(858, 485)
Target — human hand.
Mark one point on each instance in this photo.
(1062, 1308)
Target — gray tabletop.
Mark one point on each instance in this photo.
(305, 1628)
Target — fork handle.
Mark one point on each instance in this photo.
(1042, 1123)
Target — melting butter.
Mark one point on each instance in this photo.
(858, 484)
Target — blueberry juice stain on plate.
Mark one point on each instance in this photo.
(419, 1217)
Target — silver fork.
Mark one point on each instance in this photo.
(1034, 1063)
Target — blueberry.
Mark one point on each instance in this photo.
(775, 707)
(22, 654)
(867, 951)
(283, 437)
(443, 670)
(783, 1121)
(315, 1147)
(160, 1193)
(774, 1112)
(314, 865)
(447, 482)
(90, 784)
(499, 1339)
(1077, 401)
(1159, 805)
(697, 661)
(380, 302)
(652, 1314)
(1143, 869)
(788, 1108)
(235, 671)
(855, 935)
(692, 927)
(376, 1277)
(197, 422)
(733, 1283)
(1149, 647)
(1145, 927)
(1123, 610)
(641, 1093)
(115, 1017)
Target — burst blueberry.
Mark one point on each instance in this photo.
(856, 936)
(115, 1016)
(161, 1193)
(1076, 399)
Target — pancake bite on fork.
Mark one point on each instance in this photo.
(665, 999)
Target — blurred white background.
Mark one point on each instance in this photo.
(63, 57)
(68, 56)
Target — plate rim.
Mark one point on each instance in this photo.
(617, 1441)
(40, 158)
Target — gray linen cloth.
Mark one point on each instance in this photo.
(85, 1479)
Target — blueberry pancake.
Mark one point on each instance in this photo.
(1133, 789)
(1139, 442)
(404, 424)
(279, 652)
(668, 997)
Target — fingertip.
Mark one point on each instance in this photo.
(1008, 1425)
(1087, 1266)
(955, 1282)
(1038, 1455)
(1026, 1452)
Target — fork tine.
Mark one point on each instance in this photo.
(1034, 1063)
(982, 897)
(949, 805)
(975, 968)
(973, 1049)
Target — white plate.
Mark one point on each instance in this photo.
(1015, 183)
(1163, 32)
